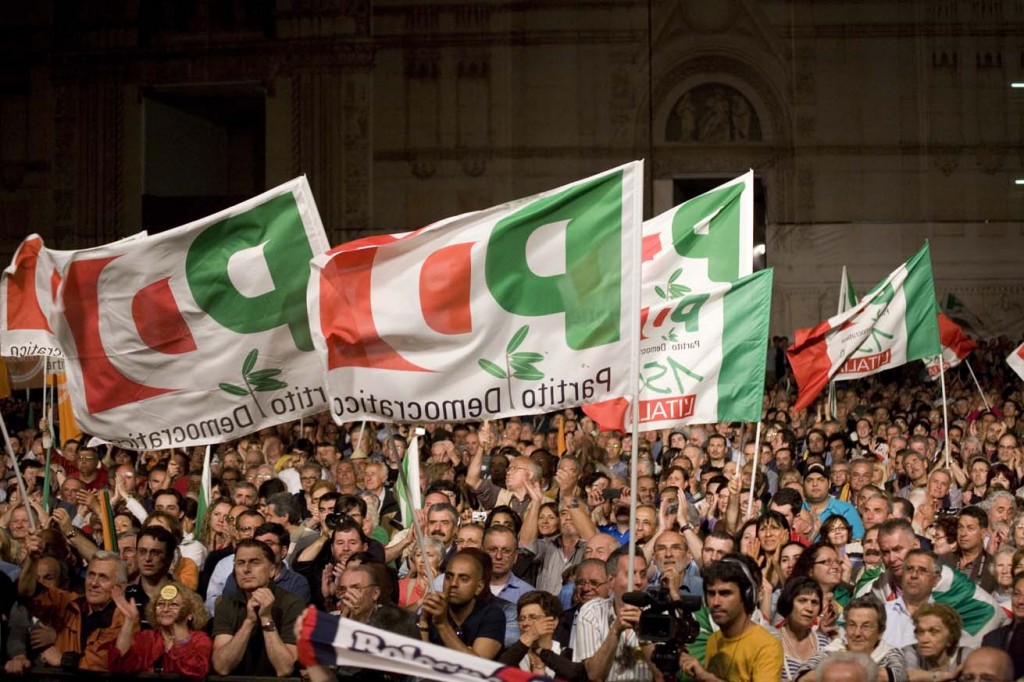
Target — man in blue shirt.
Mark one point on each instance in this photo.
(501, 544)
(822, 505)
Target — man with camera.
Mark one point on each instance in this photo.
(606, 640)
(740, 649)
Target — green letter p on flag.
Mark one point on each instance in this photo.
(894, 323)
(199, 334)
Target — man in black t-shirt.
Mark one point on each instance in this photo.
(254, 632)
(464, 616)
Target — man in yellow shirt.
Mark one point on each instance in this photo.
(741, 650)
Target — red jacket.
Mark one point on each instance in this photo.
(190, 660)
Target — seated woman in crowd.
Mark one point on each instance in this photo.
(822, 564)
(800, 608)
(536, 649)
(175, 646)
(937, 654)
(837, 533)
(413, 586)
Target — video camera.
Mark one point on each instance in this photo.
(666, 622)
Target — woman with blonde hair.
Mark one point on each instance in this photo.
(216, 531)
(175, 646)
(936, 655)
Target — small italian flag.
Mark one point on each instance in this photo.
(205, 492)
(1016, 360)
(893, 324)
(407, 492)
(956, 346)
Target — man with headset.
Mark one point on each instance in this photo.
(740, 650)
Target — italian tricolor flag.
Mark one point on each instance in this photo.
(956, 346)
(1016, 360)
(893, 324)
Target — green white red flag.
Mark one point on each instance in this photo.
(197, 335)
(522, 308)
(28, 287)
(1016, 360)
(698, 361)
(956, 346)
(893, 324)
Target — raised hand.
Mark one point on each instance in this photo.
(127, 608)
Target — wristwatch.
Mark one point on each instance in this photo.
(71, 533)
(269, 626)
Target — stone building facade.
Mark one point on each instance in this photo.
(871, 125)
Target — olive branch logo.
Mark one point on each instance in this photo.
(671, 290)
(255, 380)
(518, 364)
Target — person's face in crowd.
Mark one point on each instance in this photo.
(894, 548)
(345, 474)
(274, 543)
(716, 448)
(219, 517)
(600, 546)
(992, 433)
(499, 470)
(872, 553)
(676, 480)
(863, 431)
(591, 583)
(647, 489)
(724, 601)
(128, 549)
(464, 581)
(547, 522)
(969, 534)
(670, 552)
(18, 524)
(1000, 480)
(646, 523)
(441, 525)
(915, 468)
(788, 559)
(840, 474)
(157, 480)
(1017, 599)
(620, 581)
(501, 547)
(986, 664)
(70, 450)
(1006, 450)
(100, 579)
(860, 475)
(122, 523)
(253, 569)
(1002, 511)
(153, 557)
(374, 478)
(470, 536)
(919, 577)
(421, 567)
(328, 456)
(244, 496)
(714, 549)
(838, 450)
(938, 485)
(772, 536)
(783, 460)
(878, 475)
(806, 609)
(874, 511)
(69, 491)
(979, 473)
(1003, 569)
(307, 477)
(366, 594)
(836, 534)
(932, 637)
(815, 487)
(344, 544)
(170, 611)
(246, 525)
(1017, 533)
(88, 463)
(828, 568)
(815, 443)
(862, 631)
(785, 510)
(169, 504)
(942, 544)
(566, 524)
(48, 572)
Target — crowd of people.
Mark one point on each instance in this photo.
(864, 541)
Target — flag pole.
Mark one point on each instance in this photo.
(17, 472)
(945, 415)
(634, 367)
(417, 532)
(975, 377)
(753, 471)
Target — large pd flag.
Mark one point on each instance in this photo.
(197, 335)
(893, 324)
(517, 309)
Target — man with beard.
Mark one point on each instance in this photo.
(896, 539)
(92, 476)
(822, 505)
(254, 631)
(675, 568)
(717, 450)
(463, 616)
(915, 465)
(325, 568)
(154, 553)
(741, 649)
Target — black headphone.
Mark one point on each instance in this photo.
(748, 593)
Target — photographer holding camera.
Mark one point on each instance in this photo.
(740, 650)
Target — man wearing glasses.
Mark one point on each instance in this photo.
(501, 545)
(154, 553)
(89, 472)
(865, 623)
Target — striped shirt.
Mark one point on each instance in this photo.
(593, 623)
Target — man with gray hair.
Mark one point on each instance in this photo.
(846, 666)
(865, 623)
(86, 625)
